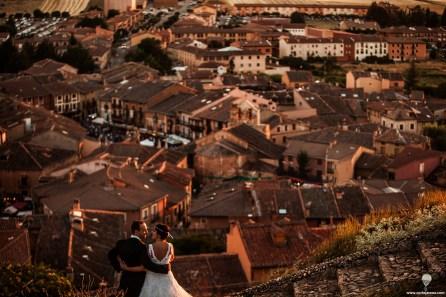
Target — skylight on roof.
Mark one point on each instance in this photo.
(282, 211)
(389, 190)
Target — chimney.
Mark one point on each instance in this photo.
(278, 236)
(76, 220)
(76, 204)
(339, 195)
(344, 125)
(71, 176)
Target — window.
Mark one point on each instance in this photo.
(290, 158)
(145, 213)
(401, 127)
(284, 139)
(412, 126)
(319, 161)
(154, 210)
(278, 128)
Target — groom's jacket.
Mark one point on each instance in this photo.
(134, 253)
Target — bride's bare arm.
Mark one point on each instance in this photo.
(172, 254)
(135, 269)
(131, 269)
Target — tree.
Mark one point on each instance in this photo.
(378, 14)
(111, 13)
(119, 34)
(26, 55)
(65, 14)
(45, 50)
(411, 77)
(10, 62)
(297, 18)
(92, 23)
(441, 90)
(150, 52)
(417, 16)
(302, 161)
(55, 14)
(432, 19)
(33, 281)
(79, 57)
(9, 26)
(443, 18)
(38, 14)
(73, 40)
(215, 44)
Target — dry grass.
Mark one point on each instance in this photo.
(430, 199)
(343, 240)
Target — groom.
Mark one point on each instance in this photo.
(133, 252)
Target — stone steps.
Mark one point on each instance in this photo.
(397, 267)
(433, 254)
(322, 288)
(377, 273)
(355, 280)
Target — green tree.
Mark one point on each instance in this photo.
(432, 19)
(443, 18)
(65, 14)
(33, 281)
(410, 77)
(215, 44)
(111, 13)
(417, 16)
(45, 50)
(10, 62)
(73, 40)
(295, 63)
(55, 14)
(92, 23)
(297, 18)
(303, 161)
(79, 57)
(38, 14)
(26, 56)
(150, 52)
(119, 34)
(9, 26)
(378, 14)
(441, 90)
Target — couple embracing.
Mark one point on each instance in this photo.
(146, 267)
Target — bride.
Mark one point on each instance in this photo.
(160, 252)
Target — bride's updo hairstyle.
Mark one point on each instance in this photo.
(162, 230)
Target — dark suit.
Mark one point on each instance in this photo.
(134, 253)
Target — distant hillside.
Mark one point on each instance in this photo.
(435, 5)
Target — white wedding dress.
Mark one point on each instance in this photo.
(161, 285)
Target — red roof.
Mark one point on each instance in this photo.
(412, 154)
(262, 252)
